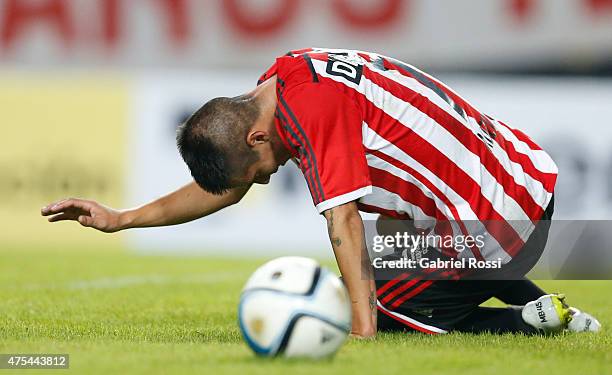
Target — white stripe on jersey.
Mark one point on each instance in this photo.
(492, 249)
(441, 139)
(391, 201)
(533, 187)
(376, 142)
(378, 163)
(542, 161)
(344, 198)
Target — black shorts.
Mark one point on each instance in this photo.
(435, 306)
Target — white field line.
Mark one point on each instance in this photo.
(135, 280)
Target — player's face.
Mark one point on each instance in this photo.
(260, 171)
(266, 166)
(271, 154)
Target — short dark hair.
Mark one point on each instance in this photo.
(212, 142)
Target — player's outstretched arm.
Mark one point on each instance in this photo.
(347, 235)
(185, 204)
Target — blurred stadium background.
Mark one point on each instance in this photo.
(91, 92)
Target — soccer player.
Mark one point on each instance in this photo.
(371, 133)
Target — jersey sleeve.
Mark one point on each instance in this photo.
(324, 125)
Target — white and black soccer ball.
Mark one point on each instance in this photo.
(293, 307)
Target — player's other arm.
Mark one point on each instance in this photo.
(185, 204)
(346, 233)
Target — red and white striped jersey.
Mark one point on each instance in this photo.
(372, 129)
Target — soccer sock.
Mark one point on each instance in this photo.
(494, 320)
(520, 292)
(504, 320)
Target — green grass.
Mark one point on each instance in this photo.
(120, 313)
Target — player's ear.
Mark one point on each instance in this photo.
(256, 137)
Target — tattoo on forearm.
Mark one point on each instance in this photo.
(366, 267)
(368, 272)
(336, 241)
(372, 300)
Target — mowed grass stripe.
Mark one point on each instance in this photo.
(122, 313)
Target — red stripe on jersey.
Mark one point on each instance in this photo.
(436, 161)
(547, 179)
(408, 191)
(443, 167)
(432, 188)
(365, 56)
(420, 178)
(412, 194)
(467, 138)
(399, 290)
(390, 283)
(412, 293)
(460, 132)
(522, 137)
(467, 107)
(462, 184)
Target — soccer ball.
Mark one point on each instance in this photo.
(293, 307)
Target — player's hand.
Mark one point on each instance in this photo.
(357, 336)
(87, 213)
(365, 332)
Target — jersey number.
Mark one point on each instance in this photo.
(351, 72)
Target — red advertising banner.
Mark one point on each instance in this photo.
(191, 33)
